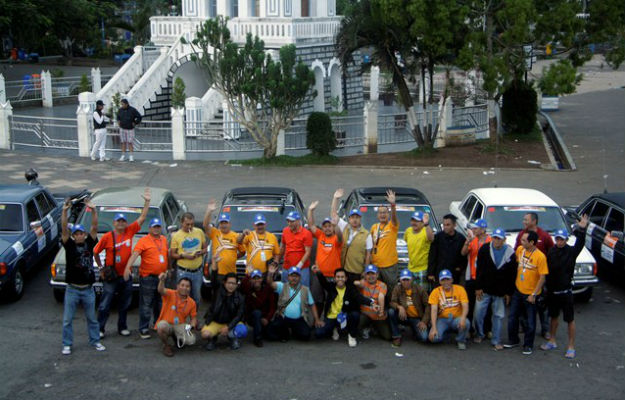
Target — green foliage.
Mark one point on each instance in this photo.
(320, 138)
(178, 96)
(519, 109)
(57, 73)
(84, 85)
(607, 26)
(291, 161)
(116, 103)
(560, 78)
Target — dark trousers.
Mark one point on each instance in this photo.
(394, 321)
(149, 301)
(519, 306)
(124, 291)
(255, 320)
(353, 317)
(281, 328)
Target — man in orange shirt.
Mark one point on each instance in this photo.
(261, 247)
(153, 251)
(295, 247)
(118, 246)
(223, 242)
(449, 307)
(384, 235)
(178, 315)
(375, 314)
(329, 243)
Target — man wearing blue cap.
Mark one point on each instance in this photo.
(188, 246)
(261, 247)
(295, 247)
(118, 246)
(409, 306)
(418, 239)
(449, 309)
(296, 313)
(373, 315)
(260, 304)
(223, 241)
(494, 284)
(79, 276)
(357, 241)
(561, 261)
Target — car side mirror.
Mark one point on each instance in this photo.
(617, 234)
(172, 228)
(35, 224)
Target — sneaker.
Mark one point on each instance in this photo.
(462, 346)
(396, 342)
(124, 332)
(335, 334)
(131, 158)
(527, 350)
(101, 334)
(102, 159)
(477, 339)
(351, 341)
(67, 350)
(210, 346)
(366, 333)
(93, 158)
(235, 344)
(144, 334)
(99, 346)
(122, 158)
(548, 346)
(168, 351)
(510, 345)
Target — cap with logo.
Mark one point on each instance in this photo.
(371, 268)
(326, 220)
(293, 216)
(561, 233)
(405, 274)
(295, 270)
(499, 233)
(417, 216)
(259, 219)
(78, 228)
(355, 211)
(444, 274)
(480, 223)
(224, 218)
(256, 274)
(155, 222)
(119, 216)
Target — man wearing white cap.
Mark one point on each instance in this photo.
(295, 247)
(449, 308)
(418, 239)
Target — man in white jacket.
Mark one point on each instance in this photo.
(99, 125)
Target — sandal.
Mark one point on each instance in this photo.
(570, 354)
(548, 346)
(498, 347)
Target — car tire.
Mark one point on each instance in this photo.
(59, 295)
(15, 286)
(585, 296)
(207, 293)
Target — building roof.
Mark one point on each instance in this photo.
(513, 196)
(18, 192)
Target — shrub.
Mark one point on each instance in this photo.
(178, 95)
(84, 85)
(560, 78)
(519, 108)
(319, 135)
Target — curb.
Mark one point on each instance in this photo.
(560, 143)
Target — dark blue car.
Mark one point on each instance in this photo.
(29, 229)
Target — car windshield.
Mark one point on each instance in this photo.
(242, 217)
(11, 218)
(510, 218)
(106, 215)
(404, 212)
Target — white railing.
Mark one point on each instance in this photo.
(123, 80)
(281, 31)
(211, 103)
(165, 31)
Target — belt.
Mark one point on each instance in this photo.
(79, 287)
(189, 270)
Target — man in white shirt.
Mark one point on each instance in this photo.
(99, 126)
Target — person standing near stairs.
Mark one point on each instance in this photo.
(99, 124)
(127, 117)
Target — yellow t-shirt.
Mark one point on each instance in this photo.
(384, 252)
(337, 304)
(188, 243)
(449, 302)
(418, 249)
(227, 247)
(411, 310)
(532, 264)
(260, 249)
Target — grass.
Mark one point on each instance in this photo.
(421, 152)
(290, 161)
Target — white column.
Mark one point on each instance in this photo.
(3, 97)
(280, 147)
(5, 128)
(374, 85)
(222, 7)
(177, 133)
(445, 121)
(84, 116)
(469, 85)
(194, 115)
(96, 80)
(371, 127)
(231, 128)
(46, 89)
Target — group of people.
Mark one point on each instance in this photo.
(127, 119)
(355, 286)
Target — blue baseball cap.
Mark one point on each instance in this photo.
(371, 268)
(328, 219)
(78, 228)
(480, 223)
(256, 273)
(417, 216)
(259, 219)
(293, 216)
(155, 222)
(355, 211)
(499, 233)
(405, 274)
(295, 270)
(224, 218)
(561, 233)
(119, 216)
(444, 274)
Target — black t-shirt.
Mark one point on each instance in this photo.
(79, 261)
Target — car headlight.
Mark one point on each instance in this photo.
(584, 269)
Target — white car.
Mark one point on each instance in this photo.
(505, 208)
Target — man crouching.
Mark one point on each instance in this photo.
(178, 315)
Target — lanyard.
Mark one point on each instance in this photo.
(159, 246)
(377, 235)
(525, 260)
(261, 243)
(445, 297)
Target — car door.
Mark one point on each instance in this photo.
(596, 232)
(466, 210)
(48, 223)
(612, 246)
(478, 210)
(174, 208)
(35, 242)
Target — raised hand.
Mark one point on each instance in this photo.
(390, 196)
(147, 194)
(67, 205)
(339, 193)
(211, 206)
(272, 268)
(426, 219)
(313, 205)
(583, 223)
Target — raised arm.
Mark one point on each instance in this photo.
(335, 203)
(64, 229)
(147, 197)
(210, 208)
(271, 271)
(311, 219)
(93, 232)
(390, 197)
(429, 232)
(161, 283)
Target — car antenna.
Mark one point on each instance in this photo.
(605, 183)
(282, 206)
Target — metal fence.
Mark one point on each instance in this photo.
(150, 136)
(43, 132)
(28, 88)
(348, 129)
(394, 128)
(71, 85)
(472, 116)
(205, 137)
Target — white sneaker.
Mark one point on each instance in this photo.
(92, 157)
(67, 350)
(335, 334)
(131, 158)
(99, 346)
(124, 332)
(351, 341)
(104, 159)
(122, 158)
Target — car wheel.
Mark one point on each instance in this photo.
(584, 297)
(15, 286)
(59, 295)
(206, 293)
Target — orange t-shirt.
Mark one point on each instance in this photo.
(532, 264)
(226, 245)
(474, 247)
(175, 310)
(328, 255)
(294, 246)
(372, 291)
(153, 254)
(123, 247)
(449, 302)
(384, 252)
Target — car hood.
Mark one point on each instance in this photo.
(4, 244)
(584, 257)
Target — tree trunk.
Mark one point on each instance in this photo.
(492, 121)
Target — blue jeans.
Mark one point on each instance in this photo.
(353, 317)
(304, 279)
(196, 283)
(149, 301)
(74, 297)
(394, 321)
(124, 289)
(281, 328)
(498, 309)
(255, 320)
(451, 324)
(519, 306)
